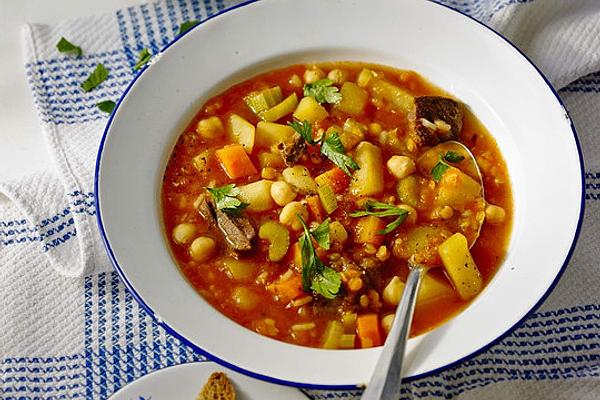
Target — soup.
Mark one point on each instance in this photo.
(294, 200)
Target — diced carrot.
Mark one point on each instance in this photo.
(336, 178)
(287, 289)
(367, 328)
(314, 206)
(235, 161)
(367, 230)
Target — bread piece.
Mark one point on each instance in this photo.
(218, 387)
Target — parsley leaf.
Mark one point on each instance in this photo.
(107, 106)
(317, 276)
(64, 46)
(98, 76)
(304, 129)
(327, 283)
(333, 149)
(225, 199)
(379, 209)
(441, 167)
(321, 234)
(143, 57)
(187, 25)
(453, 157)
(323, 91)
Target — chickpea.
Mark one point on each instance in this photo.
(382, 253)
(393, 291)
(355, 284)
(210, 128)
(494, 214)
(446, 212)
(295, 81)
(244, 298)
(288, 215)
(337, 76)
(401, 166)
(184, 233)
(387, 322)
(375, 128)
(202, 248)
(313, 74)
(282, 193)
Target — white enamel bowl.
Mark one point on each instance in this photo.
(506, 92)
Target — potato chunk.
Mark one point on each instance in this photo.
(241, 131)
(368, 180)
(257, 195)
(269, 134)
(309, 110)
(456, 189)
(354, 99)
(460, 266)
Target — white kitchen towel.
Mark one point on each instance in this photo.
(70, 329)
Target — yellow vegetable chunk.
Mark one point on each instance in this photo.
(332, 335)
(456, 189)
(367, 230)
(368, 180)
(460, 267)
(354, 99)
(422, 242)
(337, 232)
(398, 97)
(278, 237)
(299, 177)
(271, 134)
(240, 270)
(433, 289)
(210, 128)
(201, 161)
(308, 109)
(244, 298)
(257, 195)
(328, 199)
(282, 109)
(241, 132)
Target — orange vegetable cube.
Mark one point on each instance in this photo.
(367, 230)
(286, 289)
(367, 328)
(235, 161)
(336, 178)
(314, 206)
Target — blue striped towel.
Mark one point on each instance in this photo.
(69, 328)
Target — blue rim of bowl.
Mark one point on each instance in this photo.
(349, 386)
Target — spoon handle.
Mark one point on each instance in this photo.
(387, 376)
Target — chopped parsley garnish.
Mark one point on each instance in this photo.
(323, 91)
(186, 26)
(442, 166)
(64, 46)
(379, 209)
(317, 276)
(331, 146)
(333, 149)
(304, 129)
(107, 106)
(225, 199)
(98, 76)
(143, 57)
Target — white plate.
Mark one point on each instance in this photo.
(185, 381)
(506, 92)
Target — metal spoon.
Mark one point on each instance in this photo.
(387, 376)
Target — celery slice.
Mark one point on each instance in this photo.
(261, 101)
(327, 197)
(282, 109)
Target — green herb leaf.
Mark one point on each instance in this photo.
(317, 276)
(439, 170)
(98, 76)
(225, 199)
(186, 26)
(143, 57)
(304, 129)
(453, 157)
(327, 283)
(323, 91)
(321, 234)
(333, 149)
(64, 46)
(379, 209)
(107, 106)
